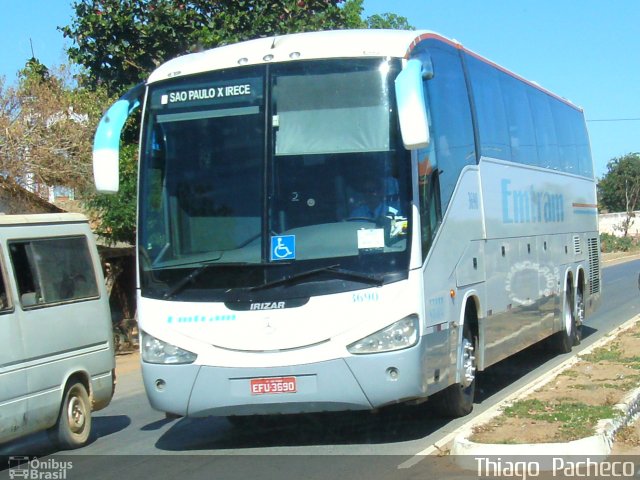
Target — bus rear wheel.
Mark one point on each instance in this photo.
(564, 340)
(457, 400)
(580, 316)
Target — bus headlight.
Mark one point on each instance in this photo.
(401, 334)
(157, 351)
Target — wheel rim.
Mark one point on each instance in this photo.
(468, 363)
(76, 414)
(568, 315)
(580, 309)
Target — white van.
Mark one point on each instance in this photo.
(56, 343)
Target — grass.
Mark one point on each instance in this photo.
(611, 353)
(624, 386)
(576, 420)
(624, 383)
(572, 415)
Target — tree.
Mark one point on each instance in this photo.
(388, 20)
(46, 128)
(116, 214)
(119, 42)
(619, 189)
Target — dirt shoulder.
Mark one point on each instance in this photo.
(570, 405)
(619, 257)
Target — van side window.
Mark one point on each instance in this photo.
(5, 299)
(53, 270)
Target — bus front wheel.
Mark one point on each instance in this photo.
(457, 400)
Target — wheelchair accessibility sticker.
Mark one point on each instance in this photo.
(283, 247)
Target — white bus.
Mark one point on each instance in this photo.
(350, 219)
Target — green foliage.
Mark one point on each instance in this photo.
(577, 419)
(119, 42)
(237, 20)
(614, 354)
(559, 411)
(619, 189)
(116, 214)
(610, 243)
(34, 72)
(610, 353)
(388, 20)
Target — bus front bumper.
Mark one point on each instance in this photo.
(361, 382)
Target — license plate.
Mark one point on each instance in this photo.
(264, 386)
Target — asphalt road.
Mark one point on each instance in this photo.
(131, 440)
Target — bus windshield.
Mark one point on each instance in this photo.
(294, 166)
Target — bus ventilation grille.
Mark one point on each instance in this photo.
(594, 265)
(577, 250)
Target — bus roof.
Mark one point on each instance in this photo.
(296, 46)
(314, 45)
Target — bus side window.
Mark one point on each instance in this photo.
(429, 192)
(449, 117)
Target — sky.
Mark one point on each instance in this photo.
(587, 51)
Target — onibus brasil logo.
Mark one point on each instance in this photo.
(37, 469)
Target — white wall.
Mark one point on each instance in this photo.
(608, 222)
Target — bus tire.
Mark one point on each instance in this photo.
(457, 400)
(73, 427)
(564, 340)
(580, 316)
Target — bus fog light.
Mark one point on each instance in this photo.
(401, 334)
(160, 384)
(157, 351)
(393, 373)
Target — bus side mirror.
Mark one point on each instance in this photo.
(106, 143)
(412, 111)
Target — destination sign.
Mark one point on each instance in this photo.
(205, 93)
(245, 91)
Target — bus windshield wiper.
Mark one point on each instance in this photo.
(197, 271)
(369, 278)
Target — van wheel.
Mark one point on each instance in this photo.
(74, 421)
(565, 339)
(457, 400)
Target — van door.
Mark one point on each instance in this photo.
(56, 284)
(13, 373)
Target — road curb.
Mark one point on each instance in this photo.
(613, 261)
(596, 446)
